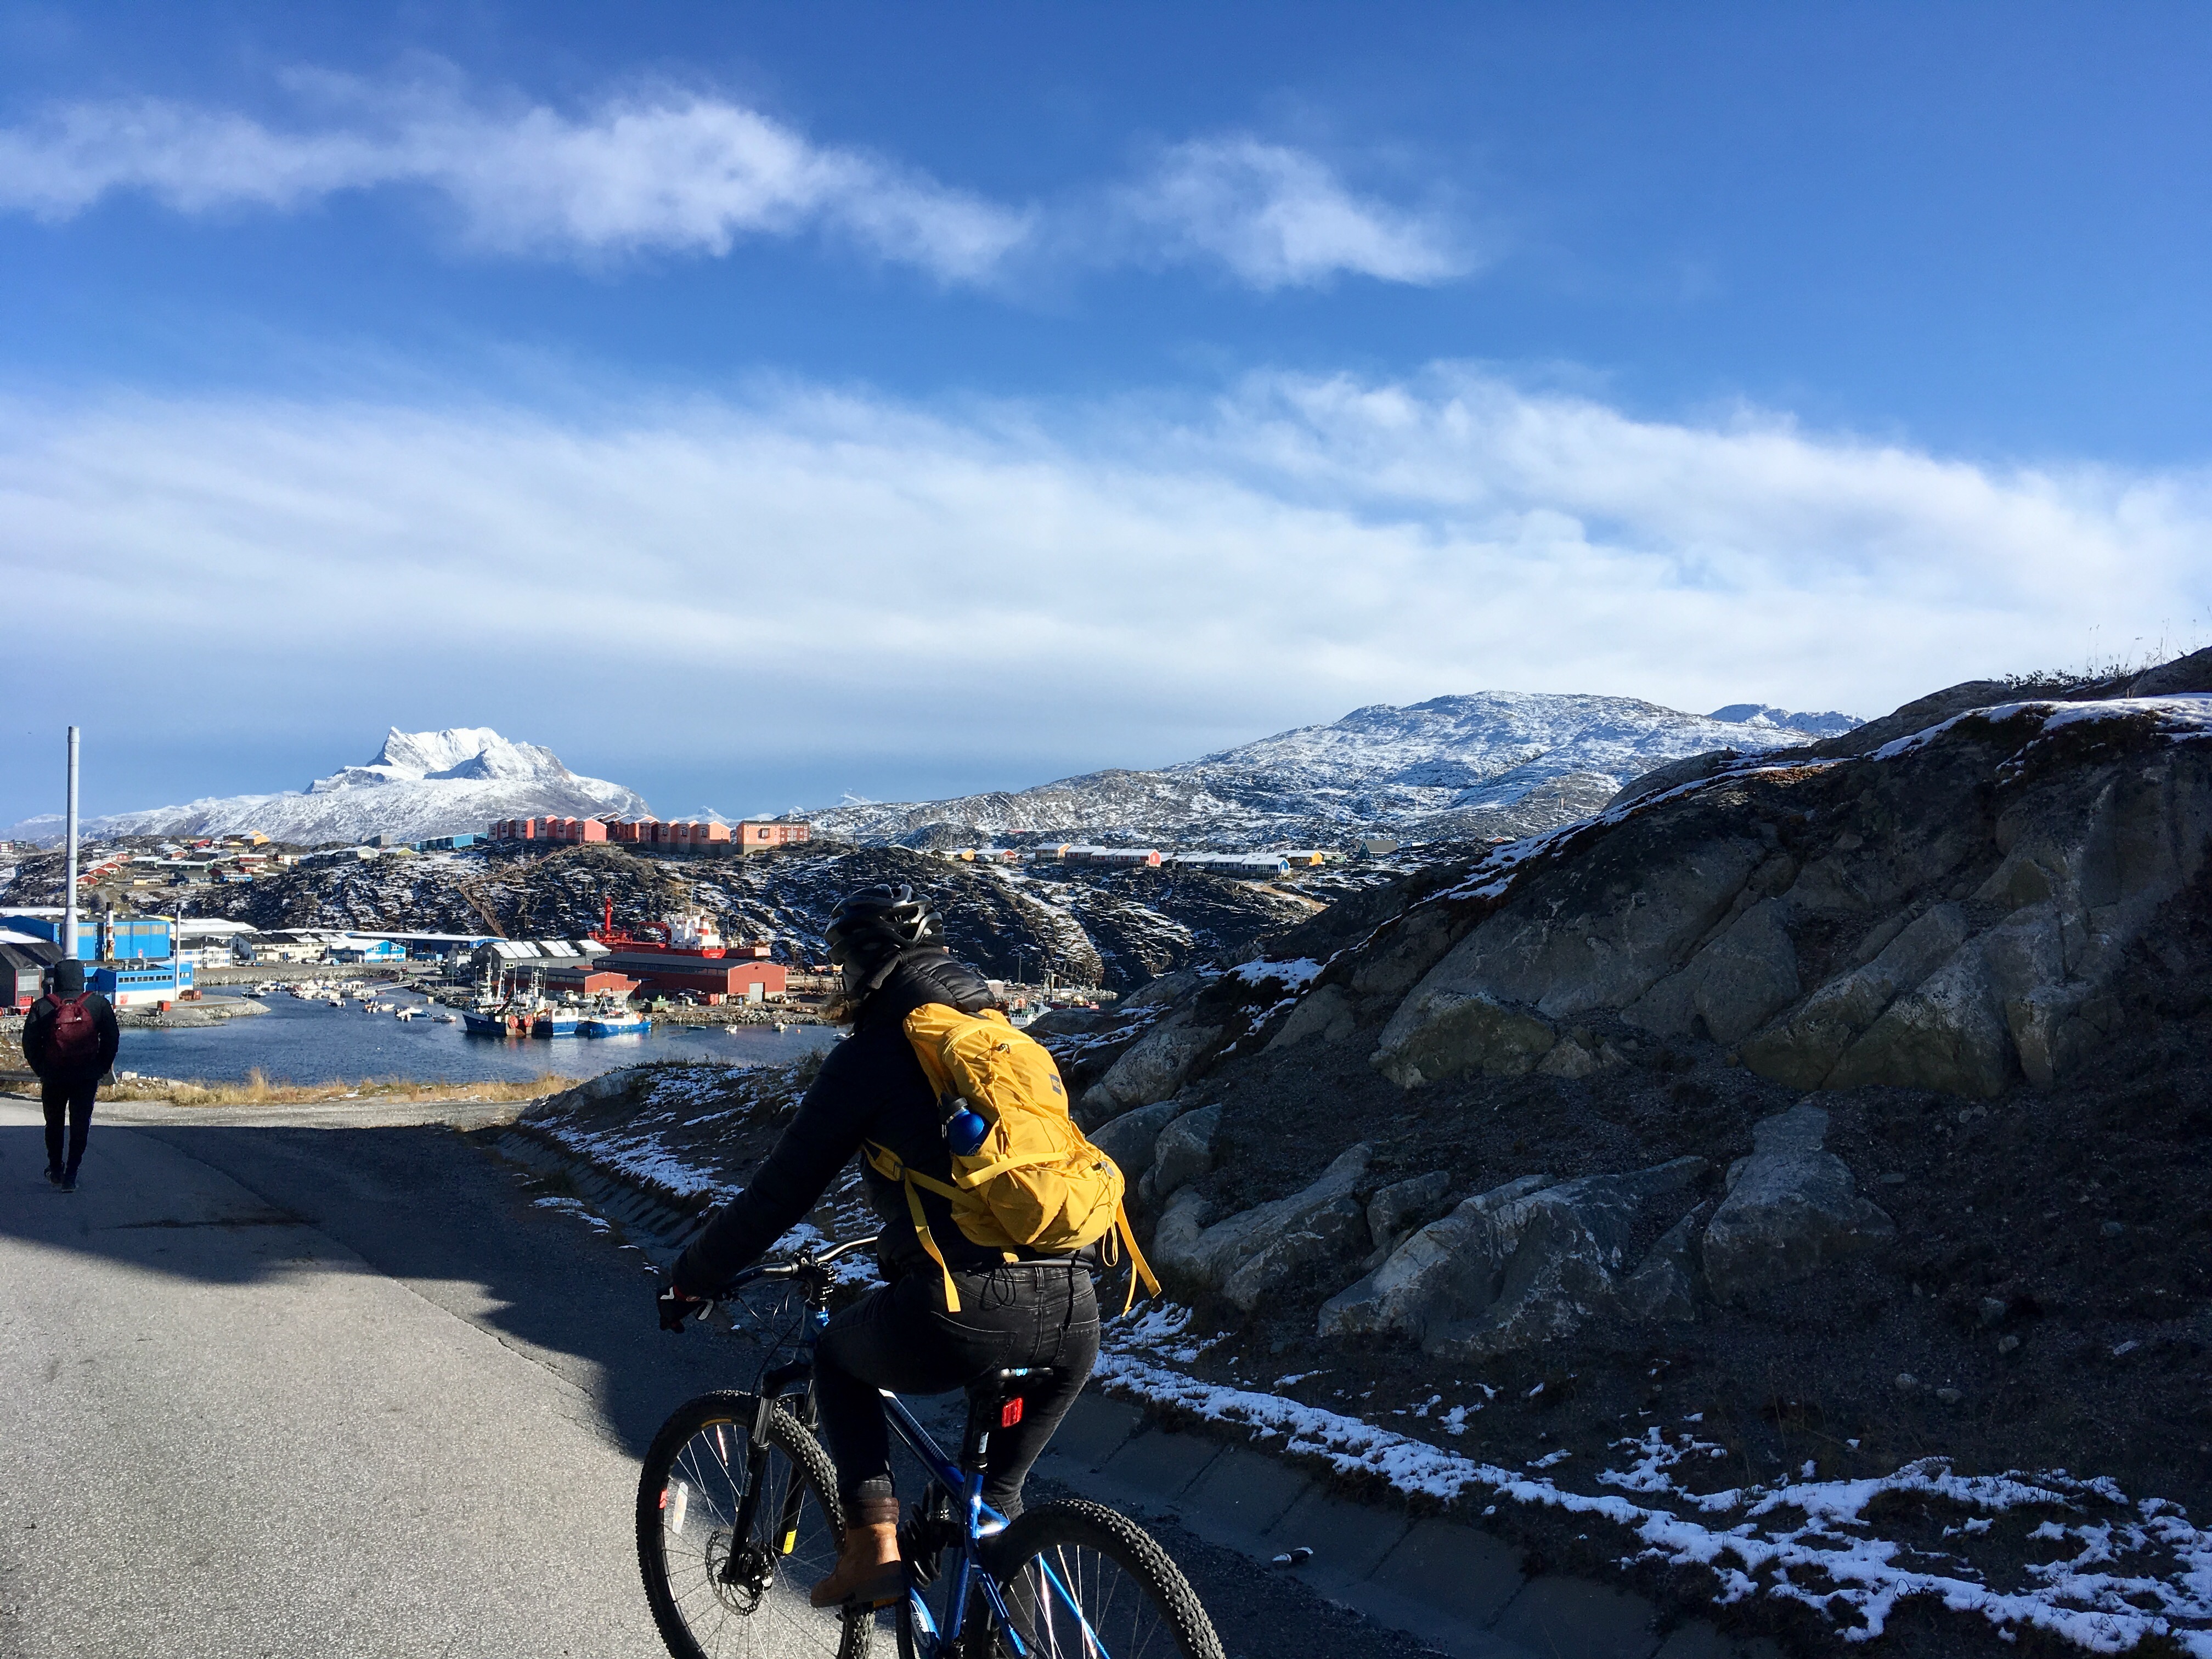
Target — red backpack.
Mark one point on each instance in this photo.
(76, 1039)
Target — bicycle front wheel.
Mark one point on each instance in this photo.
(716, 1594)
(1079, 1580)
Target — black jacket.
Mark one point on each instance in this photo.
(871, 1089)
(38, 1033)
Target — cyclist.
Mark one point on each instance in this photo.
(1016, 1310)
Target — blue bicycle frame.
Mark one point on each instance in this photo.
(963, 1568)
(977, 1520)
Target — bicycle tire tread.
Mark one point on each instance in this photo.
(1080, 1520)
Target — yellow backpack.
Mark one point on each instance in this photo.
(1035, 1182)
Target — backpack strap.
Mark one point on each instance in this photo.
(1138, 1267)
(887, 1163)
(977, 1177)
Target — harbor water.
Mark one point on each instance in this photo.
(305, 1042)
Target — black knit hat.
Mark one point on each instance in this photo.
(68, 978)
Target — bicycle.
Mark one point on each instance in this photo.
(738, 1517)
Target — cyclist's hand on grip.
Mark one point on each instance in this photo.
(675, 1307)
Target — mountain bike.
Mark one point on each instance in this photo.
(738, 1517)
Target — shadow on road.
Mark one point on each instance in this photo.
(420, 1205)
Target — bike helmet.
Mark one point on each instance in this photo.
(870, 930)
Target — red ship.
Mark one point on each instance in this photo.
(692, 935)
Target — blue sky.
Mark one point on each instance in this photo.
(758, 404)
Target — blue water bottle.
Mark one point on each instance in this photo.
(963, 1130)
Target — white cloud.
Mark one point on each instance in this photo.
(671, 171)
(682, 172)
(1279, 218)
(1068, 586)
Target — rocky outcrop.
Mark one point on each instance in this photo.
(1325, 1015)
(1451, 1263)
(1257, 1250)
(1132, 1139)
(1451, 1033)
(1152, 1069)
(1397, 1209)
(1802, 1051)
(1628, 921)
(1522, 1264)
(1790, 1208)
(1665, 1289)
(1166, 989)
(1181, 1153)
(1691, 768)
(1995, 867)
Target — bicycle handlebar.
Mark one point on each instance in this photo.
(805, 1262)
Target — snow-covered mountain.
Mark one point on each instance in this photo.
(1829, 725)
(419, 784)
(1493, 762)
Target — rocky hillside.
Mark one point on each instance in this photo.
(1493, 763)
(1715, 1163)
(1113, 928)
(419, 785)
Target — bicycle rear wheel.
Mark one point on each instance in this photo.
(1079, 1580)
(716, 1595)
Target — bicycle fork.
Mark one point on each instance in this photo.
(756, 1449)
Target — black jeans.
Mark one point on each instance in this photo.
(900, 1338)
(75, 1095)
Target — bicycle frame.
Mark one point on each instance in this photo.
(977, 1520)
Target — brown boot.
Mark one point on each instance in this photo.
(868, 1573)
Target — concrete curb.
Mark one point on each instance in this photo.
(1457, 1587)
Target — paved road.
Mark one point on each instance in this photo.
(273, 1390)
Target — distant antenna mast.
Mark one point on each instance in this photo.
(69, 894)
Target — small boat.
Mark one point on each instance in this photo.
(605, 1016)
(448, 1017)
(406, 1013)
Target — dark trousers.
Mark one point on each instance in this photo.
(72, 1096)
(901, 1338)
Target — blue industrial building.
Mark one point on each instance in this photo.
(133, 958)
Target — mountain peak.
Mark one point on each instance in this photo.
(419, 753)
(421, 784)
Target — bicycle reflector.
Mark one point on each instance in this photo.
(1011, 1413)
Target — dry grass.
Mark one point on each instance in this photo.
(258, 1091)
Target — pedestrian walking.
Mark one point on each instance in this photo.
(69, 1039)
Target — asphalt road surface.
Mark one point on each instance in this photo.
(346, 1389)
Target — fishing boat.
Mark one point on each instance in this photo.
(603, 1017)
(503, 1011)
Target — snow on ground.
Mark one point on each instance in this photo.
(575, 1207)
(2069, 1555)
(2117, 1570)
(2188, 715)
